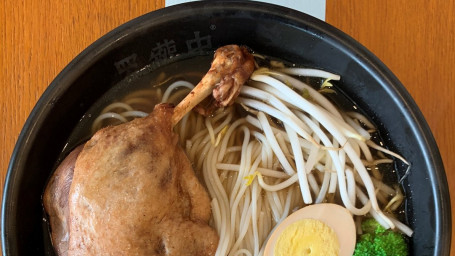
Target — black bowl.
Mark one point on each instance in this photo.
(159, 38)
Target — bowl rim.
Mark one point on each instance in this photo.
(101, 46)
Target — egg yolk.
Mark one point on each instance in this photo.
(307, 237)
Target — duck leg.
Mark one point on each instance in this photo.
(107, 202)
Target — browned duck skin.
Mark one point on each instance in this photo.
(133, 191)
(55, 201)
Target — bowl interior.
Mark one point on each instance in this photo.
(165, 36)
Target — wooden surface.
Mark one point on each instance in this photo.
(415, 39)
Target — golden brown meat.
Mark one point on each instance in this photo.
(55, 200)
(134, 193)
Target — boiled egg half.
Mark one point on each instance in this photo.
(319, 229)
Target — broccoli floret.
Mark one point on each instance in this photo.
(371, 226)
(376, 240)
